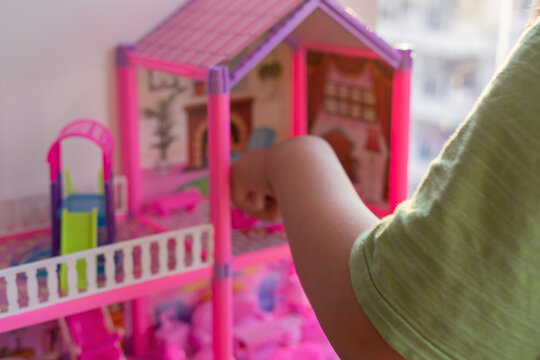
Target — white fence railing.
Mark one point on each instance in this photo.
(29, 213)
(63, 278)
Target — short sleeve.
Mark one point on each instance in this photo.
(454, 273)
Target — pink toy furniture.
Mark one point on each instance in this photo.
(242, 221)
(188, 199)
(172, 337)
(304, 351)
(91, 336)
(201, 320)
(246, 308)
(257, 340)
(290, 296)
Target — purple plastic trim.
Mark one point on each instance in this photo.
(292, 42)
(218, 80)
(56, 200)
(109, 210)
(122, 52)
(222, 271)
(276, 35)
(407, 56)
(361, 32)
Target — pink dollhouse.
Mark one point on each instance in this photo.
(342, 82)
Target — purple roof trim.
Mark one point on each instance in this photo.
(395, 58)
(360, 31)
(218, 80)
(277, 35)
(207, 32)
(407, 58)
(295, 44)
(122, 51)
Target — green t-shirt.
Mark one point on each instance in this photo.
(454, 273)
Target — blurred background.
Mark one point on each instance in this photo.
(459, 45)
(57, 64)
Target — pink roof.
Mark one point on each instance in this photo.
(205, 33)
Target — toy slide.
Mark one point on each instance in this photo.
(91, 336)
(79, 232)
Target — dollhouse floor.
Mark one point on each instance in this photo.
(247, 245)
(24, 248)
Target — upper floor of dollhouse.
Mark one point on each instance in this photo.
(291, 67)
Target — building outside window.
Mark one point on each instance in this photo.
(458, 46)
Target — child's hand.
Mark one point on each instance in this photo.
(250, 188)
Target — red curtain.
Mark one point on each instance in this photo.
(381, 76)
(317, 67)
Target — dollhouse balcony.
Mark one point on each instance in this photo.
(33, 292)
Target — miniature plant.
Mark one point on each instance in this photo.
(164, 122)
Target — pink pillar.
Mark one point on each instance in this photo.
(399, 146)
(139, 327)
(299, 125)
(129, 134)
(129, 125)
(220, 150)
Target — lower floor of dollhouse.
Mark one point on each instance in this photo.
(272, 317)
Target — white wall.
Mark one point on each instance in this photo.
(56, 65)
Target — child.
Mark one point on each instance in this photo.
(455, 271)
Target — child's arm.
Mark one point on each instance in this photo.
(323, 215)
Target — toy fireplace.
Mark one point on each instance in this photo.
(241, 126)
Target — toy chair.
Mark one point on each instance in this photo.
(91, 336)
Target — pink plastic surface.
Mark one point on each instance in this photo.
(89, 332)
(129, 123)
(186, 199)
(172, 337)
(206, 32)
(399, 145)
(219, 144)
(192, 72)
(299, 93)
(140, 324)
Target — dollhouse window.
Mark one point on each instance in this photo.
(350, 101)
